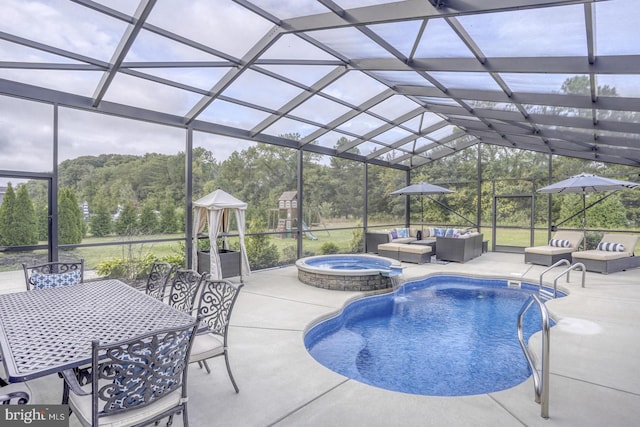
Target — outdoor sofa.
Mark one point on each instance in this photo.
(451, 244)
(615, 252)
(561, 246)
(459, 248)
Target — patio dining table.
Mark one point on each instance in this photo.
(49, 330)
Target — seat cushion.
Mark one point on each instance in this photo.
(415, 249)
(206, 346)
(81, 406)
(600, 255)
(548, 250)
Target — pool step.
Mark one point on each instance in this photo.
(545, 295)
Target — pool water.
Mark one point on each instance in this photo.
(347, 262)
(442, 336)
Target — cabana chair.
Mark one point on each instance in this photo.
(158, 277)
(53, 274)
(615, 252)
(137, 381)
(214, 308)
(561, 246)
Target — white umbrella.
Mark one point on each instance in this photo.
(586, 183)
(421, 188)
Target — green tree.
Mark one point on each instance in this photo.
(261, 253)
(25, 224)
(168, 221)
(7, 217)
(42, 219)
(70, 218)
(127, 222)
(100, 221)
(148, 222)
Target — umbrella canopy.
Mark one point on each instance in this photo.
(420, 189)
(587, 183)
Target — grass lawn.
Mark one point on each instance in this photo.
(287, 247)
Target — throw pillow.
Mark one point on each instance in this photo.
(402, 233)
(439, 232)
(46, 281)
(450, 232)
(394, 234)
(610, 247)
(559, 243)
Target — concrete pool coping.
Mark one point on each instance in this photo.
(595, 373)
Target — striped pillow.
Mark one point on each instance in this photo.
(559, 243)
(610, 247)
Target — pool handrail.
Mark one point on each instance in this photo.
(562, 261)
(540, 377)
(579, 265)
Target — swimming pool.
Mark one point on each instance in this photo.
(440, 336)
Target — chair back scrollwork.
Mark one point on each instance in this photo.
(184, 289)
(158, 277)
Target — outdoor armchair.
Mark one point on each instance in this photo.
(136, 381)
(53, 274)
(158, 277)
(215, 306)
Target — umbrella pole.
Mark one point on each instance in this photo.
(584, 221)
(422, 214)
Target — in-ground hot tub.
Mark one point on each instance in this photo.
(351, 272)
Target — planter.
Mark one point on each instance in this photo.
(229, 262)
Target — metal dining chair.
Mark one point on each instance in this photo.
(216, 302)
(137, 381)
(184, 289)
(53, 274)
(159, 276)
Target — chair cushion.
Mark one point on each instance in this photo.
(46, 281)
(559, 243)
(81, 406)
(206, 346)
(610, 247)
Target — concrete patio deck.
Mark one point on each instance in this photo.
(595, 372)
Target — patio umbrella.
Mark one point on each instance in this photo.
(586, 183)
(421, 188)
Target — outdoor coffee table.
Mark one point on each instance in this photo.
(49, 330)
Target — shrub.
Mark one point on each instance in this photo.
(329, 248)
(133, 270)
(356, 245)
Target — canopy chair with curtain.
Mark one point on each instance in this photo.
(214, 211)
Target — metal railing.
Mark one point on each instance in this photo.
(562, 261)
(540, 376)
(567, 272)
